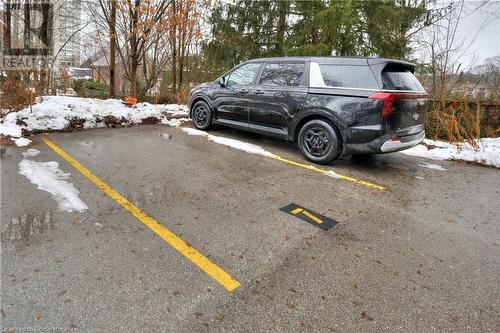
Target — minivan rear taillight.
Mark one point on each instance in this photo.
(389, 98)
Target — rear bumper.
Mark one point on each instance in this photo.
(401, 143)
(386, 143)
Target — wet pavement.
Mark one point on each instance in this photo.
(423, 255)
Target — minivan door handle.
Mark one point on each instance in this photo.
(244, 91)
(259, 92)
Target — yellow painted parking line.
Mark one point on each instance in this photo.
(296, 211)
(214, 271)
(330, 173)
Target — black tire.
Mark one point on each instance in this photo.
(319, 141)
(201, 115)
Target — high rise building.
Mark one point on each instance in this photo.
(66, 35)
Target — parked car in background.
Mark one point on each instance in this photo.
(330, 106)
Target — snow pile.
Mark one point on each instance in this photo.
(56, 113)
(488, 152)
(236, 144)
(50, 178)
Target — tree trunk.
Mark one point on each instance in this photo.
(280, 35)
(112, 51)
(182, 53)
(134, 55)
(174, 48)
(133, 80)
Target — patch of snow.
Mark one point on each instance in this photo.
(166, 136)
(176, 122)
(487, 153)
(419, 177)
(50, 178)
(432, 166)
(194, 131)
(332, 174)
(236, 144)
(55, 112)
(10, 129)
(22, 142)
(31, 153)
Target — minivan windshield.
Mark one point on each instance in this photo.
(400, 79)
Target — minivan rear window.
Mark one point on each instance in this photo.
(348, 76)
(400, 79)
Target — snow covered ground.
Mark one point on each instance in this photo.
(56, 113)
(488, 152)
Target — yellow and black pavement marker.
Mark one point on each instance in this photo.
(309, 216)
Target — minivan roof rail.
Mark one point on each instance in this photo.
(340, 60)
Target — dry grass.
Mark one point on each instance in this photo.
(15, 95)
(182, 95)
(5, 141)
(461, 120)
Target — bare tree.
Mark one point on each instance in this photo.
(138, 28)
(443, 50)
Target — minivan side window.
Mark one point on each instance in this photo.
(243, 75)
(282, 74)
(348, 76)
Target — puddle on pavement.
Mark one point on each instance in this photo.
(25, 229)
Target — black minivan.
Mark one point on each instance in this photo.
(331, 106)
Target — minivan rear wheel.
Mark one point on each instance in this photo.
(202, 116)
(319, 141)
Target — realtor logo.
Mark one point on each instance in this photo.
(26, 34)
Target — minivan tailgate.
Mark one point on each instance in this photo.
(408, 114)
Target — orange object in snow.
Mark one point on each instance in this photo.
(130, 100)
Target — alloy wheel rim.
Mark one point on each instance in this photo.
(201, 116)
(317, 142)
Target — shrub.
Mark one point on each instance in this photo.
(462, 119)
(95, 86)
(92, 89)
(15, 93)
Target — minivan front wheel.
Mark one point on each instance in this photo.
(202, 116)
(319, 141)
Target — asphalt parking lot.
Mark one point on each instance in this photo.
(421, 254)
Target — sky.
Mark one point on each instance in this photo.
(487, 43)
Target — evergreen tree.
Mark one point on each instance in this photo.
(390, 25)
(247, 29)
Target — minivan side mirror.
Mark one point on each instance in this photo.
(222, 81)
